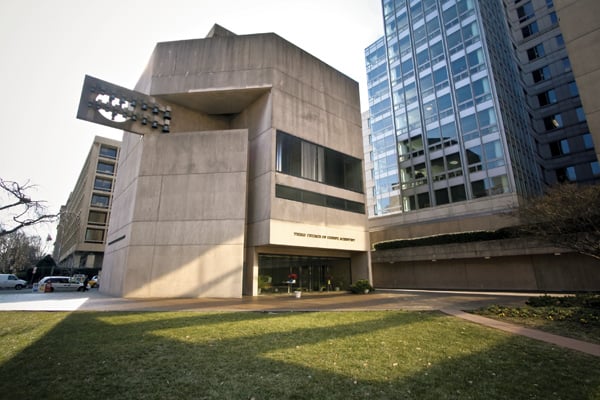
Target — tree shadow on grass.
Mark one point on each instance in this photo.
(380, 355)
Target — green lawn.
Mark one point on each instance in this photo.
(344, 355)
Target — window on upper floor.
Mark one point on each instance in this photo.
(566, 64)
(588, 142)
(307, 160)
(108, 152)
(94, 235)
(100, 200)
(559, 148)
(530, 29)
(560, 41)
(97, 217)
(547, 97)
(541, 74)
(580, 114)
(536, 52)
(573, 90)
(525, 11)
(553, 18)
(566, 174)
(553, 122)
(103, 184)
(105, 168)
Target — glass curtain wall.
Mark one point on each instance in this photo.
(437, 136)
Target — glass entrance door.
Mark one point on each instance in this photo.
(276, 272)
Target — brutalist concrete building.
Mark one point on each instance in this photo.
(254, 181)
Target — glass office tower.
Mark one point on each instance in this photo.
(448, 119)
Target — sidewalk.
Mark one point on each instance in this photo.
(579, 345)
(450, 302)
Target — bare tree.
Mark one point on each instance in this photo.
(18, 210)
(568, 216)
(19, 252)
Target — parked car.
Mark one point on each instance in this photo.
(59, 283)
(94, 282)
(10, 281)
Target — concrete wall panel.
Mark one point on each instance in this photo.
(209, 271)
(535, 272)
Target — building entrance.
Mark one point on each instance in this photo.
(279, 273)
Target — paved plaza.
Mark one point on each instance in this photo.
(411, 300)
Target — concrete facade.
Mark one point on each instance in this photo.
(580, 26)
(197, 208)
(81, 232)
(565, 150)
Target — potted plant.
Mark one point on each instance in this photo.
(362, 286)
(264, 282)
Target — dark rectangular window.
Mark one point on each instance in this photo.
(573, 90)
(318, 199)
(99, 200)
(559, 148)
(541, 74)
(94, 235)
(530, 29)
(535, 52)
(553, 122)
(307, 160)
(103, 184)
(97, 218)
(108, 152)
(547, 97)
(525, 11)
(105, 168)
(580, 114)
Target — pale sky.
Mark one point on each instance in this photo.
(48, 46)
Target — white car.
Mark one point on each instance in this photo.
(10, 281)
(59, 284)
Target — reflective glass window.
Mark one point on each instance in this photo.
(108, 152)
(408, 68)
(454, 41)
(426, 84)
(463, 94)
(468, 123)
(449, 130)
(105, 168)
(486, 117)
(450, 16)
(573, 90)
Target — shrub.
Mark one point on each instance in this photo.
(586, 300)
(361, 286)
(449, 238)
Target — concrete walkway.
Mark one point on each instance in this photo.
(579, 345)
(450, 302)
